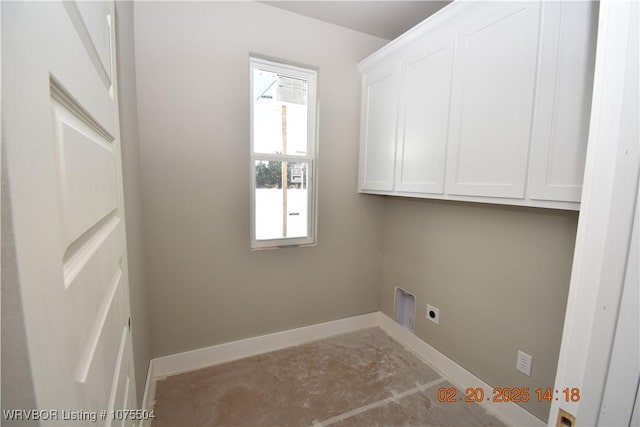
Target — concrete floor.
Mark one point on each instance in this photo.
(363, 378)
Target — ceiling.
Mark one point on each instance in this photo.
(384, 19)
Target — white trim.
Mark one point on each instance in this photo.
(508, 413)
(526, 202)
(311, 76)
(196, 359)
(604, 227)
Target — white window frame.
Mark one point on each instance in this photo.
(311, 76)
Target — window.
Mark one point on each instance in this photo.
(283, 151)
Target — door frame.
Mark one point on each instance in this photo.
(604, 228)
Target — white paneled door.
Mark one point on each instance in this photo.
(60, 126)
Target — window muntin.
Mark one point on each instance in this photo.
(283, 145)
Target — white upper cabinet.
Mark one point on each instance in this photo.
(493, 100)
(563, 106)
(378, 128)
(482, 102)
(424, 115)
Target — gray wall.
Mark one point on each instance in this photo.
(132, 195)
(204, 284)
(499, 276)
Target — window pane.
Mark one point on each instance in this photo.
(279, 113)
(281, 213)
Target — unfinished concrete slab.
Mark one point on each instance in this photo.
(363, 378)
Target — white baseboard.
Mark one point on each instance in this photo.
(507, 412)
(196, 359)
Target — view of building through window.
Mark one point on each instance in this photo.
(283, 128)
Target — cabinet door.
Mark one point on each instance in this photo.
(424, 115)
(563, 101)
(378, 128)
(492, 101)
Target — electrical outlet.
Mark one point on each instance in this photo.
(433, 314)
(523, 364)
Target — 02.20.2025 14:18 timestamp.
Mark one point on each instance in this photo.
(508, 394)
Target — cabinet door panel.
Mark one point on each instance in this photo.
(424, 119)
(378, 128)
(492, 101)
(563, 101)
